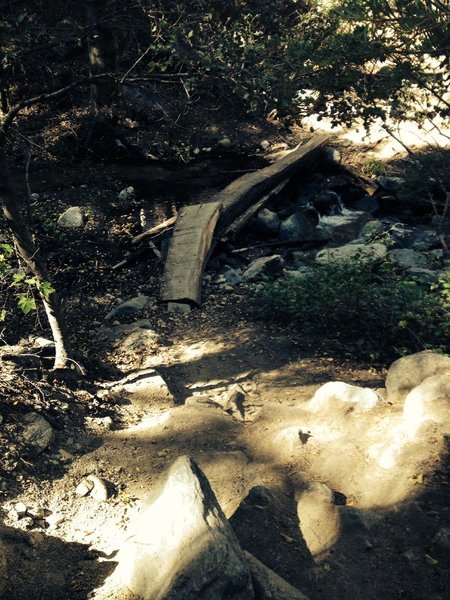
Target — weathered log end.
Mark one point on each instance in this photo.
(188, 253)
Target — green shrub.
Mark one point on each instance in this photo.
(366, 309)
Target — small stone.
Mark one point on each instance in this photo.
(99, 491)
(224, 144)
(54, 520)
(84, 487)
(71, 218)
(37, 433)
(21, 510)
(65, 456)
(265, 144)
(126, 194)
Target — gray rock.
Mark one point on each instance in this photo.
(130, 307)
(183, 547)
(343, 228)
(231, 276)
(429, 401)
(267, 222)
(409, 371)
(133, 342)
(318, 516)
(367, 204)
(265, 144)
(71, 218)
(224, 144)
(99, 490)
(37, 433)
(362, 252)
(126, 194)
(391, 183)
(84, 487)
(373, 230)
(405, 258)
(266, 266)
(3, 568)
(268, 585)
(299, 226)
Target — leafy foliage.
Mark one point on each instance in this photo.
(368, 309)
(25, 285)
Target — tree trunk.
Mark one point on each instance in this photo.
(103, 49)
(30, 255)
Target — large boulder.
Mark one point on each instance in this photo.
(344, 228)
(429, 401)
(406, 258)
(337, 394)
(182, 547)
(409, 371)
(362, 252)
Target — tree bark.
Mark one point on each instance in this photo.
(103, 49)
(30, 255)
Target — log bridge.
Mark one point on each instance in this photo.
(198, 226)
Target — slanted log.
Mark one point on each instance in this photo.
(153, 230)
(245, 191)
(188, 252)
(243, 219)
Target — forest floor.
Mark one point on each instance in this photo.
(63, 545)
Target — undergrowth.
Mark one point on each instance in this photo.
(368, 310)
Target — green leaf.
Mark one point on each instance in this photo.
(430, 560)
(26, 304)
(2, 314)
(46, 289)
(7, 250)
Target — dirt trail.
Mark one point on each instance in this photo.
(214, 353)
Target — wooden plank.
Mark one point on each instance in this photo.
(188, 252)
(243, 192)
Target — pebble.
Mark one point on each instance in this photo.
(20, 509)
(99, 491)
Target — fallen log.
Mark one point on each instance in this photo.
(153, 230)
(245, 191)
(243, 219)
(188, 252)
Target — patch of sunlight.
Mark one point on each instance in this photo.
(149, 422)
(186, 353)
(407, 133)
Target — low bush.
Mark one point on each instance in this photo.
(370, 310)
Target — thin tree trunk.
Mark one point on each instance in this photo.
(30, 255)
(103, 49)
